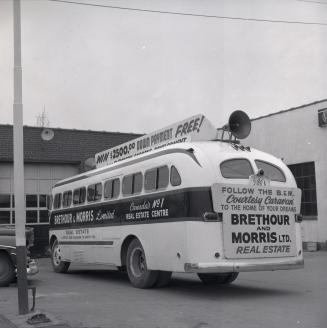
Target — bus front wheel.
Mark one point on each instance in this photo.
(57, 264)
(137, 270)
(218, 278)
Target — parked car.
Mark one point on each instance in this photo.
(8, 254)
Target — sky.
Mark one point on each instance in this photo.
(96, 68)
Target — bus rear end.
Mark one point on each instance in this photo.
(256, 206)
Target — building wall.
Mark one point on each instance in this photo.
(295, 136)
(39, 179)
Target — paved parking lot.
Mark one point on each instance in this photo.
(101, 298)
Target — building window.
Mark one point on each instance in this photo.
(43, 201)
(305, 176)
(31, 200)
(31, 216)
(36, 208)
(4, 217)
(44, 216)
(4, 200)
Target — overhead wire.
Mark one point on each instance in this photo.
(190, 14)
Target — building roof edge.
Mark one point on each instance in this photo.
(288, 110)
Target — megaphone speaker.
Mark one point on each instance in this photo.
(239, 124)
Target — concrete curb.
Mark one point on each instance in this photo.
(20, 321)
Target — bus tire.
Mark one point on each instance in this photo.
(164, 279)
(138, 273)
(7, 270)
(58, 265)
(218, 278)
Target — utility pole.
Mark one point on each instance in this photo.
(20, 217)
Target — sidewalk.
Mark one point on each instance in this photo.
(20, 321)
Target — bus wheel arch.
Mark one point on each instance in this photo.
(123, 251)
(52, 240)
(58, 265)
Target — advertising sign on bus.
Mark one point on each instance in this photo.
(195, 128)
(257, 221)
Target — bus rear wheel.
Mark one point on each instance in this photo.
(57, 264)
(137, 269)
(218, 278)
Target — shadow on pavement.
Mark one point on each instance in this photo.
(190, 286)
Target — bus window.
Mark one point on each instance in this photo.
(271, 171)
(67, 198)
(175, 178)
(76, 196)
(236, 169)
(98, 191)
(94, 192)
(137, 183)
(79, 196)
(111, 188)
(107, 189)
(127, 184)
(163, 177)
(82, 195)
(57, 201)
(115, 188)
(150, 179)
(90, 193)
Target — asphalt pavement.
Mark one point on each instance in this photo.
(98, 298)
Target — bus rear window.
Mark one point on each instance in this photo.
(271, 171)
(236, 169)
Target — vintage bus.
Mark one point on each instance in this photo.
(215, 208)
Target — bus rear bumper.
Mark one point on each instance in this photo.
(247, 265)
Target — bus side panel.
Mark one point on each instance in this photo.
(168, 249)
(204, 241)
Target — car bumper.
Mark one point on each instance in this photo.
(32, 267)
(246, 265)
